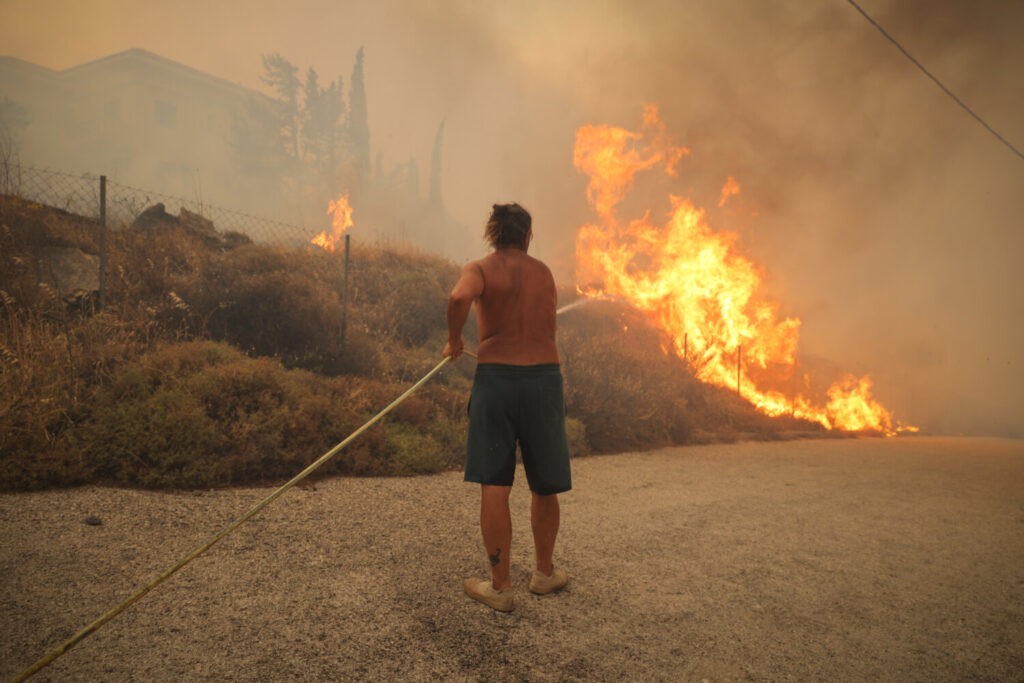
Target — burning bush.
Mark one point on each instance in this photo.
(625, 383)
(697, 285)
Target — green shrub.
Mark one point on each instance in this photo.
(576, 432)
(201, 414)
(153, 436)
(413, 451)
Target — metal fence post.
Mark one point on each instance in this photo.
(344, 296)
(103, 240)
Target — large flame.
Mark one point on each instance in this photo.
(341, 220)
(695, 284)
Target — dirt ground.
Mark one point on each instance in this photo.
(856, 559)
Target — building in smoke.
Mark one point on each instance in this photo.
(153, 123)
(135, 116)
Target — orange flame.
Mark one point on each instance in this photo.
(730, 188)
(341, 220)
(694, 284)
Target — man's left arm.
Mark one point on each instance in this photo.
(468, 289)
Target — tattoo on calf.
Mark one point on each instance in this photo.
(495, 558)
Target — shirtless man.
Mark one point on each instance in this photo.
(516, 397)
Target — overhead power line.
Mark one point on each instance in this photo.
(937, 81)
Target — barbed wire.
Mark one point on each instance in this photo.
(80, 194)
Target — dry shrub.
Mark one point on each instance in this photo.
(262, 303)
(203, 414)
(40, 395)
(628, 392)
(414, 411)
(405, 364)
(576, 432)
(418, 304)
(48, 370)
(144, 265)
(289, 305)
(401, 295)
(362, 353)
(200, 414)
(50, 354)
(35, 226)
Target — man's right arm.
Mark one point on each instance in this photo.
(468, 289)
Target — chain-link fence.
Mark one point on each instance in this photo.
(80, 194)
(125, 203)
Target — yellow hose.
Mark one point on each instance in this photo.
(75, 639)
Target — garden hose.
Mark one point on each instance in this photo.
(167, 573)
(78, 637)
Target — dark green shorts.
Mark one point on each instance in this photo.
(524, 404)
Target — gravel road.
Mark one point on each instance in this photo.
(849, 559)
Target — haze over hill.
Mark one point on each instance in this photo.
(884, 217)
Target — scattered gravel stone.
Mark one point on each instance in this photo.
(890, 559)
(93, 520)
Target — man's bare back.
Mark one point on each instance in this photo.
(515, 299)
(516, 312)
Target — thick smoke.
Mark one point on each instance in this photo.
(884, 216)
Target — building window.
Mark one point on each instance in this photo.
(165, 114)
(112, 110)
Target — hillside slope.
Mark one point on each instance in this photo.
(221, 362)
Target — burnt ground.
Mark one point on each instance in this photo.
(858, 559)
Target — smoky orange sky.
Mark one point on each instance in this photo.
(885, 218)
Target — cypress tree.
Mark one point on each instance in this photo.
(412, 178)
(358, 121)
(435, 168)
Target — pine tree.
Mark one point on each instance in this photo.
(282, 76)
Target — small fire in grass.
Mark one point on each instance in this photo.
(694, 283)
(341, 220)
